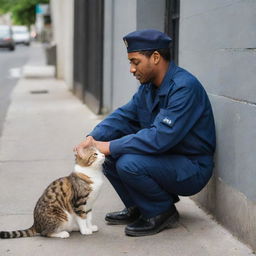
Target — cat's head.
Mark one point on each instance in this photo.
(91, 157)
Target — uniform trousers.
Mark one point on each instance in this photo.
(153, 182)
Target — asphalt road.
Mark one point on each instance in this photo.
(11, 63)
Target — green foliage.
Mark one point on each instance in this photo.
(23, 11)
(5, 5)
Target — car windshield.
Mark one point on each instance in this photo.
(4, 33)
(20, 30)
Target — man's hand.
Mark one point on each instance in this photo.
(88, 142)
(103, 147)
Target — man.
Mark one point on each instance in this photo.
(161, 143)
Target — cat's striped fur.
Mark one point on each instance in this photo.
(66, 203)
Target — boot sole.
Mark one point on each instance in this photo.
(171, 222)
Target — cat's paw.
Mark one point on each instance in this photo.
(62, 234)
(86, 232)
(95, 228)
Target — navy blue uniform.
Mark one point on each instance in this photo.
(161, 143)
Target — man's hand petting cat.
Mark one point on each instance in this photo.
(102, 146)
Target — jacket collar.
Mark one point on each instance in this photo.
(164, 87)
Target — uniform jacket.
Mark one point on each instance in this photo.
(175, 118)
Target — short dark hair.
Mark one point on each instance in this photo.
(165, 53)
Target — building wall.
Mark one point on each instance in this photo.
(118, 84)
(218, 45)
(122, 17)
(63, 29)
(151, 14)
(6, 19)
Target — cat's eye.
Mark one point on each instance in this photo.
(95, 154)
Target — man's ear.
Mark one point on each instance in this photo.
(156, 57)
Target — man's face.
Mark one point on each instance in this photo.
(142, 67)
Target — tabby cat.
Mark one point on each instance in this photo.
(66, 204)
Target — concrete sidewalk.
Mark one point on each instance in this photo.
(36, 147)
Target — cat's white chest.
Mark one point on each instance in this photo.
(96, 186)
(96, 176)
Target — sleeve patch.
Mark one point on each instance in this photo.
(167, 121)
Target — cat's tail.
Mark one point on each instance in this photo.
(18, 233)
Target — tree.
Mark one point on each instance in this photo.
(22, 11)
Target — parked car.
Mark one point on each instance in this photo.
(21, 35)
(6, 37)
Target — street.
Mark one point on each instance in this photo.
(10, 70)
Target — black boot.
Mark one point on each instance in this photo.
(127, 215)
(150, 226)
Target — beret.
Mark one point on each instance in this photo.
(147, 39)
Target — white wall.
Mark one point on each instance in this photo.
(5, 19)
(63, 29)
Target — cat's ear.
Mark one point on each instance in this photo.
(81, 153)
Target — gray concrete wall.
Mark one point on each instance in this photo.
(119, 85)
(150, 14)
(218, 45)
(122, 17)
